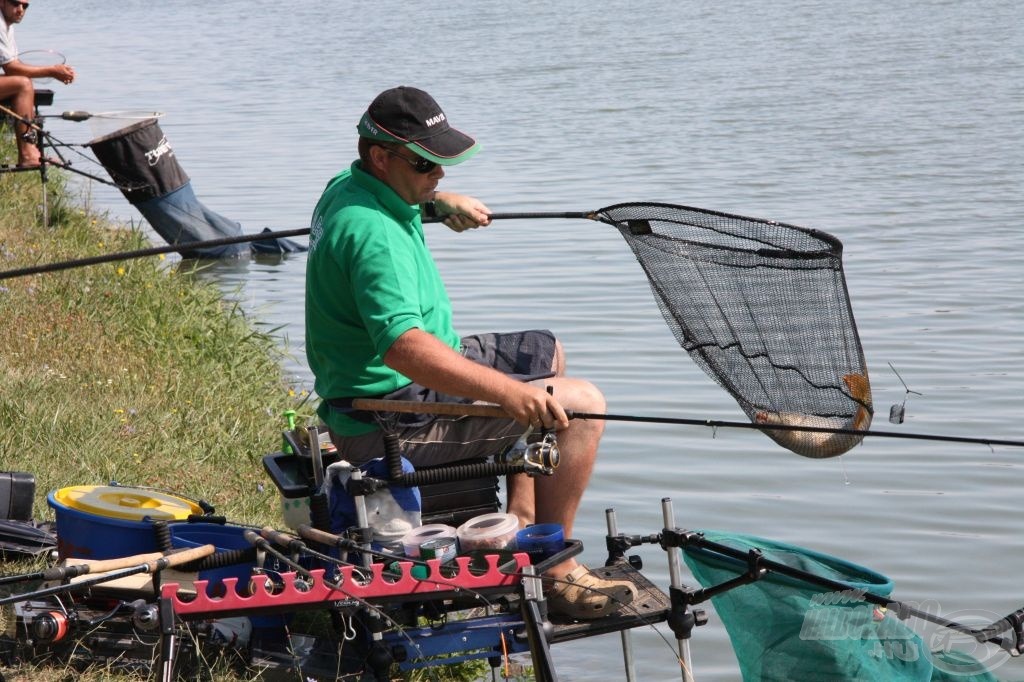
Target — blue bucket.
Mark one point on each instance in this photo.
(224, 538)
(110, 522)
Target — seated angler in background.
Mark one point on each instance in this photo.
(16, 86)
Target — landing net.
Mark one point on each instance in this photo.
(763, 308)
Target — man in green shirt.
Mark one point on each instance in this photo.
(379, 324)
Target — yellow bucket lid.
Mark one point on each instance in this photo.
(131, 504)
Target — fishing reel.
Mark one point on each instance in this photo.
(538, 457)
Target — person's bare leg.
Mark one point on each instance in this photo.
(522, 498)
(557, 497)
(22, 93)
(522, 489)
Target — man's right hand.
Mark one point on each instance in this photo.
(531, 405)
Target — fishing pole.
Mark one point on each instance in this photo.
(73, 571)
(226, 241)
(152, 566)
(478, 410)
(153, 251)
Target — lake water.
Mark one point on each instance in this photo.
(896, 127)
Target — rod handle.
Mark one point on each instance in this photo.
(280, 539)
(102, 566)
(315, 535)
(178, 558)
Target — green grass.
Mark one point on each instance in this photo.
(131, 372)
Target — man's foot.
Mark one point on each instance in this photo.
(583, 595)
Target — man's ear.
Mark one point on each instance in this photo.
(378, 159)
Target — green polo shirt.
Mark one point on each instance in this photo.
(369, 279)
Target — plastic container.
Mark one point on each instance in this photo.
(541, 540)
(417, 536)
(224, 538)
(387, 537)
(489, 531)
(109, 522)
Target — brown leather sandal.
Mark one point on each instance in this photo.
(582, 595)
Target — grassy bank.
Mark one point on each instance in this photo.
(132, 372)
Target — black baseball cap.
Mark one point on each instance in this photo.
(410, 117)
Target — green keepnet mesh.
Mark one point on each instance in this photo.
(783, 628)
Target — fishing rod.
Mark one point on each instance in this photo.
(153, 251)
(73, 571)
(478, 410)
(238, 239)
(147, 566)
(294, 544)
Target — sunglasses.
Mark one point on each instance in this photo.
(16, 3)
(418, 163)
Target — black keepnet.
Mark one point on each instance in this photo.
(140, 161)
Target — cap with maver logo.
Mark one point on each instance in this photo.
(409, 116)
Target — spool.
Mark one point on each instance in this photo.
(414, 539)
(489, 531)
(109, 522)
(541, 540)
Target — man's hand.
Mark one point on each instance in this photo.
(532, 405)
(463, 212)
(64, 73)
(420, 356)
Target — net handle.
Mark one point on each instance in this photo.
(584, 215)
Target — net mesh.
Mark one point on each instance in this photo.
(763, 308)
